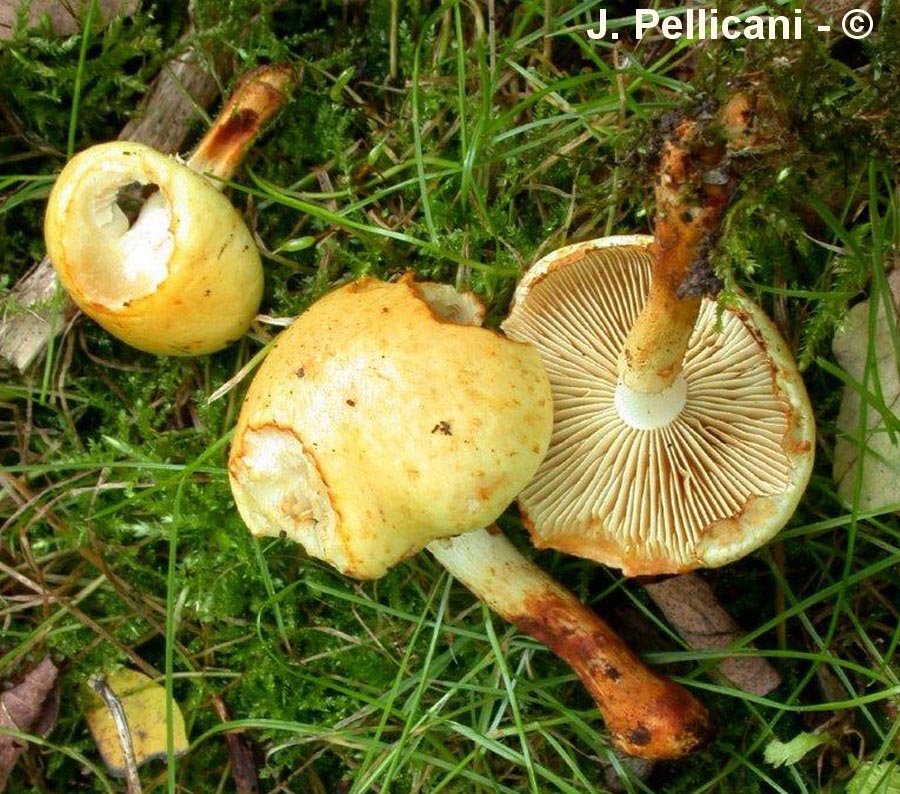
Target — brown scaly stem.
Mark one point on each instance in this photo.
(648, 715)
(255, 101)
(692, 192)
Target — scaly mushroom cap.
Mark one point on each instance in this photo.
(378, 423)
(696, 476)
(184, 279)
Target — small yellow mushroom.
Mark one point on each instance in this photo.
(183, 278)
(177, 273)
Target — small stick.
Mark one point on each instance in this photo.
(394, 68)
(691, 606)
(99, 685)
(243, 770)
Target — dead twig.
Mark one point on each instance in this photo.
(123, 732)
(243, 768)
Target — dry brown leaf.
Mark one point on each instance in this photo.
(691, 606)
(31, 707)
(880, 484)
(64, 16)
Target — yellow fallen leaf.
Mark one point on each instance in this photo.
(143, 703)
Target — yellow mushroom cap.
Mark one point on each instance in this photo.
(380, 422)
(696, 476)
(184, 278)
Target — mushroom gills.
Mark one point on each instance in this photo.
(697, 474)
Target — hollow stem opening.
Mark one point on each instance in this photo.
(132, 198)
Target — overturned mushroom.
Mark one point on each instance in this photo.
(148, 246)
(683, 435)
(385, 420)
(696, 474)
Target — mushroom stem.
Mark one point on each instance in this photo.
(256, 99)
(688, 209)
(647, 715)
(692, 190)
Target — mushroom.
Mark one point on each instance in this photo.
(384, 420)
(697, 474)
(178, 272)
(683, 434)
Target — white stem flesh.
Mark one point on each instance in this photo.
(494, 570)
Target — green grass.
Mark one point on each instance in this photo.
(494, 143)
